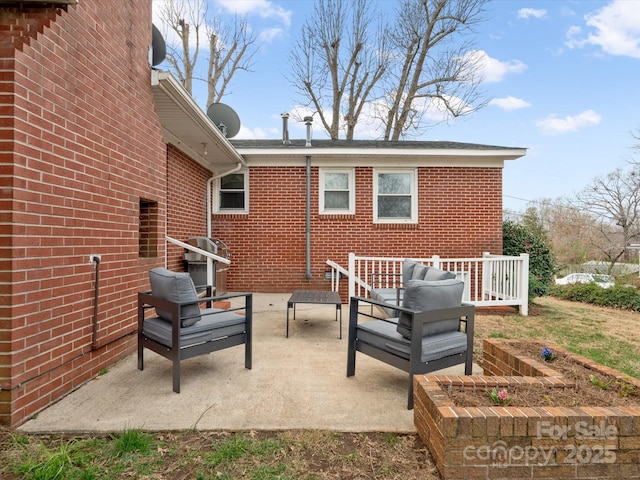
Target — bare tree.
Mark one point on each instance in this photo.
(614, 201)
(571, 231)
(437, 69)
(636, 135)
(338, 61)
(231, 49)
(185, 18)
(424, 63)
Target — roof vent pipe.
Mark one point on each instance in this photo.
(308, 121)
(285, 128)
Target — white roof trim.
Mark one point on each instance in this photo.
(502, 153)
(392, 157)
(188, 128)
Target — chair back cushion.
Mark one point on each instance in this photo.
(408, 266)
(175, 287)
(433, 274)
(423, 295)
(412, 270)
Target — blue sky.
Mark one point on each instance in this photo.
(563, 77)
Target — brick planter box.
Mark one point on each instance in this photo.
(514, 442)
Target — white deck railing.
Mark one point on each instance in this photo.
(211, 257)
(489, 281)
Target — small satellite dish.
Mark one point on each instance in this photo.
(158, 47)
(225, 118)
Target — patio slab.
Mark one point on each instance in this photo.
(296, 383)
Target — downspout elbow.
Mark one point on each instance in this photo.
(235, 169)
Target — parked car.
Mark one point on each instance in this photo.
(604, 281)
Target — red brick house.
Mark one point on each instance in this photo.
(413, 199)
(101, 157)
(97, 160)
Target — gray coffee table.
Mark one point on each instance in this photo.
(320, 297)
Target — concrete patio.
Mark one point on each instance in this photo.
(296, 383)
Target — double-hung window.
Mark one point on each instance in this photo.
(233, 193)
(337, 191)
(395, 196)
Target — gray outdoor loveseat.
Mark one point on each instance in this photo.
(433, 308)
(179, 321)
(411, 270)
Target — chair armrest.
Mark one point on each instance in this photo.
(371, 301)
(355, 313)
(146, 301)
(465, 313)
(150, 301)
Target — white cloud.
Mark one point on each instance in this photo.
(527, 13)
(615, 29)
(262, 8)
(509, 103)
(494, 70)
(268, 34)
(257, 133)
(557, 126)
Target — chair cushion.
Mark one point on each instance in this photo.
(215, 324)
(383, 335)
(433, 274)
(407, 269)
(388, 296)
(434, 347)
(424, 295)
(175, 287)
(419, 271)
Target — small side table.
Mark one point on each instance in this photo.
(320, 297)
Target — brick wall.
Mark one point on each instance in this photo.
(460, 215)
(186, 196)
(80, 146)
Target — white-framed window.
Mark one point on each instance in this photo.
(395, 196)
(232, 193)
(337, 191)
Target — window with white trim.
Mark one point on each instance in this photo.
(232, 193)
(395, 196)
(337, 191)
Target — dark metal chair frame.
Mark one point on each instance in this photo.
(147, 301)
(413, 365)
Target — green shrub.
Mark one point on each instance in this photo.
(537, 288)
(531, 238)
(624, 298)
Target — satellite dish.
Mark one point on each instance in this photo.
(225, 118)
(158, 47)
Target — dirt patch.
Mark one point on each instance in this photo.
(592, 388)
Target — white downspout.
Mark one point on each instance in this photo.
(210, 269)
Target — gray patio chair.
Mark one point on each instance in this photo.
(434, 310)
(179, 329)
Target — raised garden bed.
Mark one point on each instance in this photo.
(553, 439)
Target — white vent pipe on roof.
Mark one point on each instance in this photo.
(308, 121)
(285, 128)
